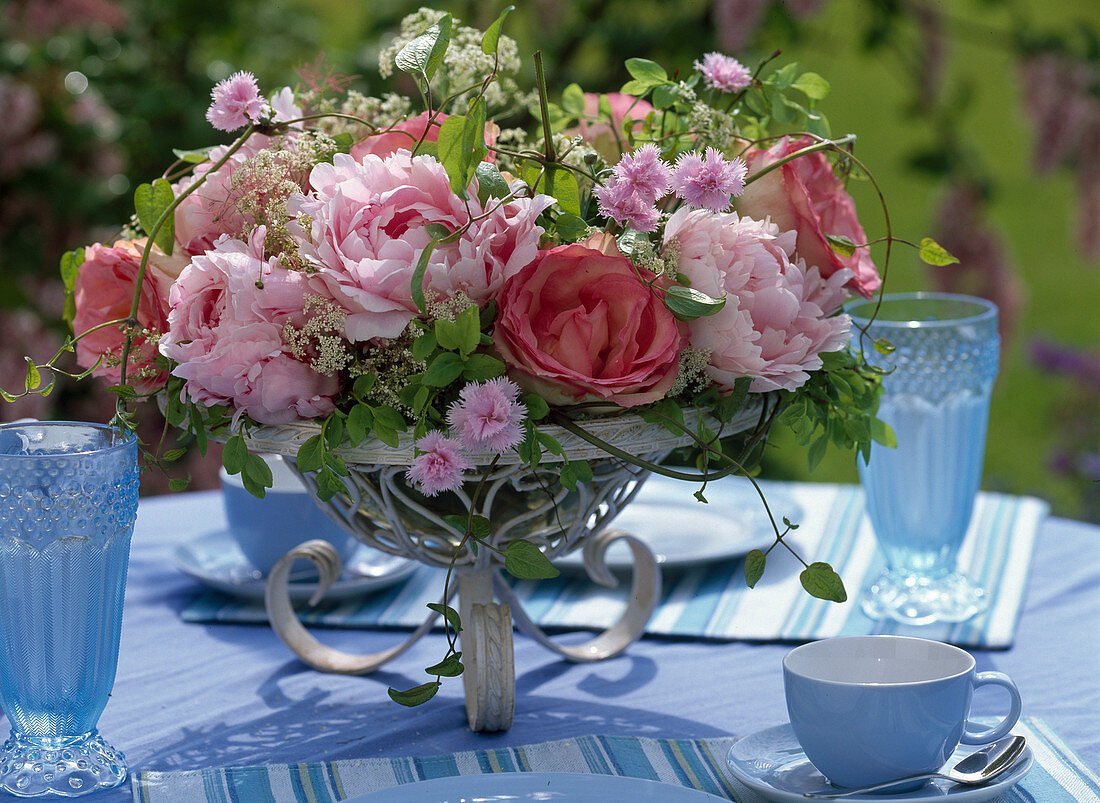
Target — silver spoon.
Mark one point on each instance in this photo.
(979, 767)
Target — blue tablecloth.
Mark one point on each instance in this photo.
(191, 696)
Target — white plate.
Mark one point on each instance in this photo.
(683, 531)
(216, 560)
(772, 762)
(532, 786)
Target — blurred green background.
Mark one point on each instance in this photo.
(97, 92)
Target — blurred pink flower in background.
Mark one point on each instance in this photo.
(775, 322)
(608, 139)
(368, 229)
(439, 468)
(805, 195)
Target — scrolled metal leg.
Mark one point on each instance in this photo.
(489, 677)
(645, 592)
(284, 621)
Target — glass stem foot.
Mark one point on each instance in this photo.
(64, 766)
(920, 600)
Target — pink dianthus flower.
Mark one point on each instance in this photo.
(440, 465)
(644, 172)
(627, 207)
(708, 181)
(724, 73)
(237, 102)
(487, 415)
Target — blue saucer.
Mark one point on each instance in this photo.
(215, 560)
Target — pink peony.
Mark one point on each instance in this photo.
(774, 325)
(226, 334)
(805, 195)
(236, 102)
(607, 136)
(407, 133)
(368, 229)
(104, 291)
(487, 415)
(579, 324)
(439, 468)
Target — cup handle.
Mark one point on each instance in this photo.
(976, 734)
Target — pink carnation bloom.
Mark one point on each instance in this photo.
(368, 230)
(226, 335)
(644, 172)
(440, 466)
(487, 415)
(709, 181)
(775, 323)
(626, 206)
(724, 73)
(237, 102)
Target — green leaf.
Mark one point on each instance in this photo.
(933, 253)
(363, 384)
(177, 484)
(417, 282)
(150, 202)
(841, 244)
(344, 141)
(754, 567)
(423, 55)
(480, 367)
(360, 422)
(883, 433)
(665, 95)
(328, 484)
(491, 37)
(417, 695)
(524, 560)
(256, 475)
(448, 613)
(490, 183)
(468, 326)
(528, 449)
(572, 100)
(449, 667)
(636, 88)
(461, 145)
(817, 452)
(646, 71)
(390, 418)
(69, 267)
(687, 303)
(812, 85)
(424, 345)
(443, 370)
(34, 378)
(194, 156)
(822, 582)
(172, 455)
(570, 227)
(234, 453)
(480, 527)
(573, 472)
(537, 408)
(562, 184)
(311, 454)
(884, 346)
(333, 430)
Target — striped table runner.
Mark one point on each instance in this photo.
(1057, 776)
(711, 600)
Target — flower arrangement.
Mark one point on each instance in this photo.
(388, 265)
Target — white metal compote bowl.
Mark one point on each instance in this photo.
(383, 511)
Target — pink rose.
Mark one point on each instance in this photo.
(368, 230)
(408, 132)
(806, 196)
(580, 325)
(600, 135)
(775, 323)
(226, 335)
(104, 291)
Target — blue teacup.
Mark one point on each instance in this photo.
(872, 709)
(266, 529)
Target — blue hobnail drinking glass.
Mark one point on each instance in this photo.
(68, 501)
(920, 496)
